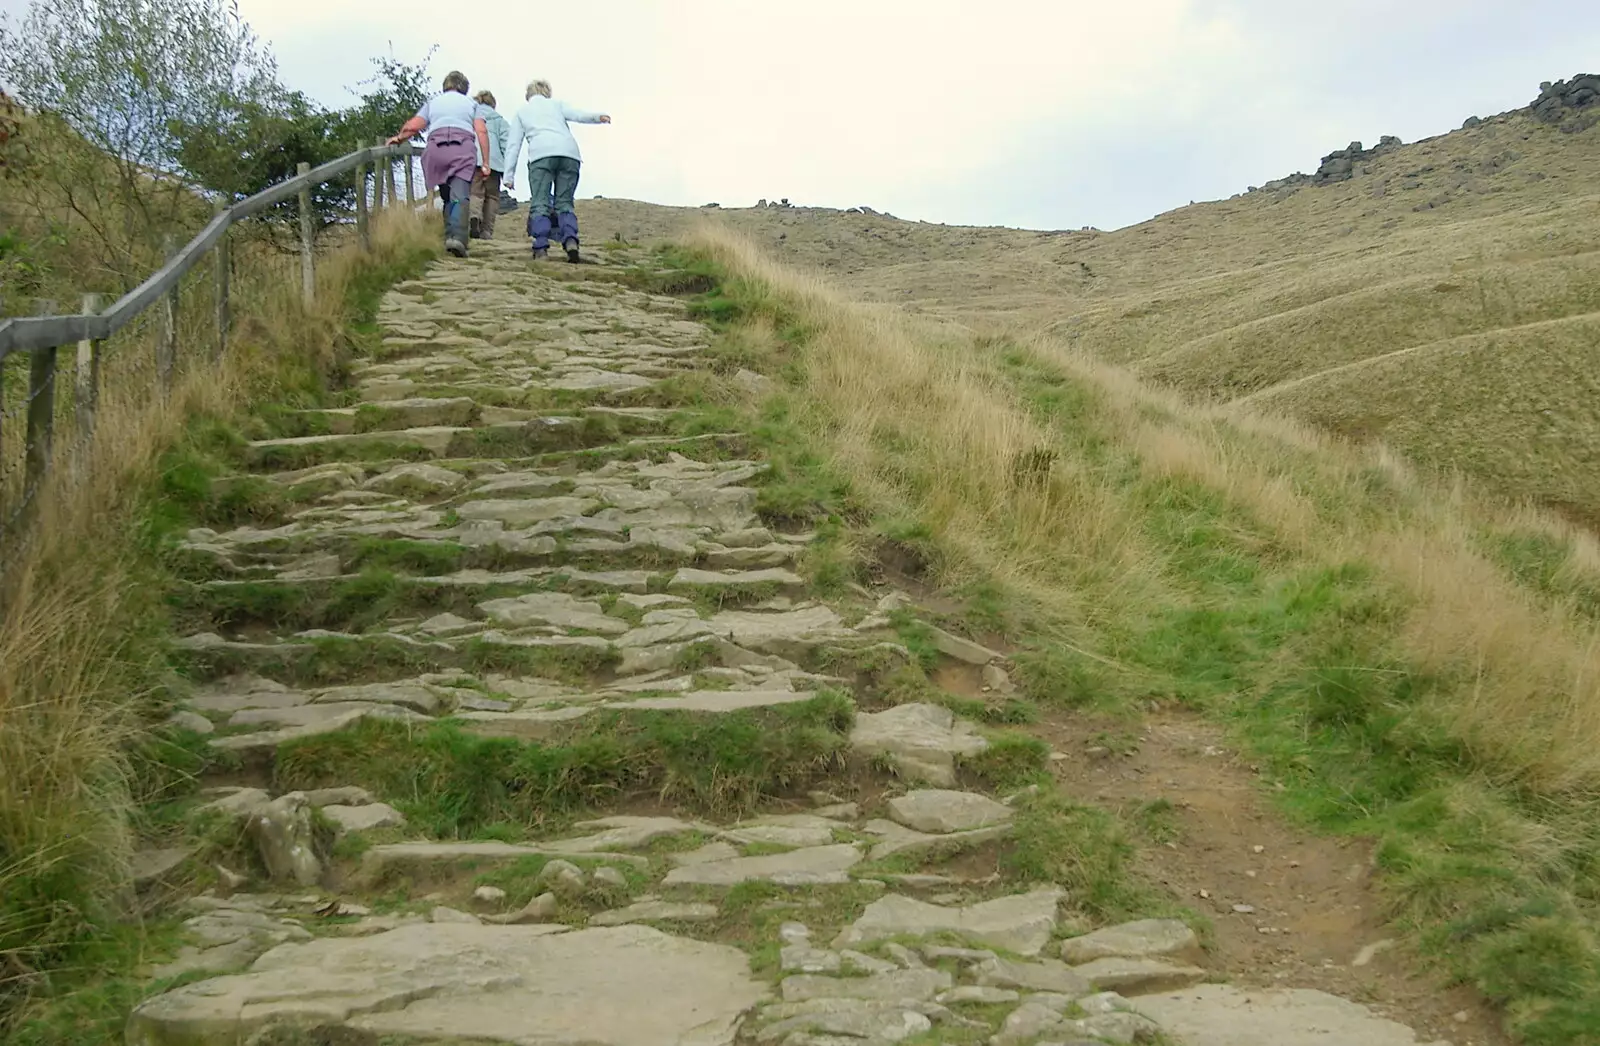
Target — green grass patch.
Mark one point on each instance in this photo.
(450, 782)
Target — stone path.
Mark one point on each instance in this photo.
(577, 551)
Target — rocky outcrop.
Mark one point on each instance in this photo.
(1343, 164)
(1573, 105)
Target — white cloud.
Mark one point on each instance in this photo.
(1047, 112)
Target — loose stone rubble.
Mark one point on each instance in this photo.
(519, 428)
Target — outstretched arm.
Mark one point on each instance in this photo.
(412, 128)
(514, 139)
(482, 127)
(572, 114)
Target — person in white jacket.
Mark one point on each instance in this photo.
(553, 164)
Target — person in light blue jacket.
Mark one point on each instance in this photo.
(553, 164)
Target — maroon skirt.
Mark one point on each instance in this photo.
(450, 153)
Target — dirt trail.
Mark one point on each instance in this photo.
(1315, 909)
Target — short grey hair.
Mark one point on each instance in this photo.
(539, 87)
(456, 80)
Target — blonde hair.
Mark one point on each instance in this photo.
(539, 87)
(455, 80)
(486, 98)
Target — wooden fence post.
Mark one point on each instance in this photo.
(41, 412)
(411, 185)
(308, 243)
(388, 180)
(167, 346)
(362, 232)
(221, 264)
(377, 180)
(86, 397)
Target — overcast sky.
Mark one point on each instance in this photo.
(1038, 113)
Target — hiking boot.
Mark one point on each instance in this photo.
(456, 247)
(541, 253)
(571, 247)
(475, 228)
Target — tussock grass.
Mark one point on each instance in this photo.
(1411, 661)
(84, 682)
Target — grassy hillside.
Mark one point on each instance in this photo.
(1413, 303)
(1401, 663)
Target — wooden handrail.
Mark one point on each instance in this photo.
(38, 333)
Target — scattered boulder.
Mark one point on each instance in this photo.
(897, 984)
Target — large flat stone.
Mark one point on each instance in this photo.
(1145, 939)
(716, 700)
(812, 866)
(792, 633)
(1043, 976)
(628, 986)
(1222, 1015)
(1020, 923)
(918, 984)
(655, 911)
(900, 839)
(552, 608)
(625, 833)
(1138, 976)
(923, 741)
(940, 810)
(525, 512)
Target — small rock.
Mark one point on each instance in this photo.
(803, 958)
(902, 955)
(1365, 956)
(1103, 1002)
(1244, 909)
(611, 877)
(794, 933)
(563, 874)
(193, 722)
(230, 880)
(936, 952)
(348, 795)
(995, 678)
(860, 962)
(489, 895)
(961, 649)
(364, 818)
(442, 914)
(538, 910)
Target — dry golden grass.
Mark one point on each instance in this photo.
(1236, 297)
(920, 417)
(1342, 607)
(75, 627)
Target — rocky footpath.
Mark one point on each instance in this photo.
(532, 729)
